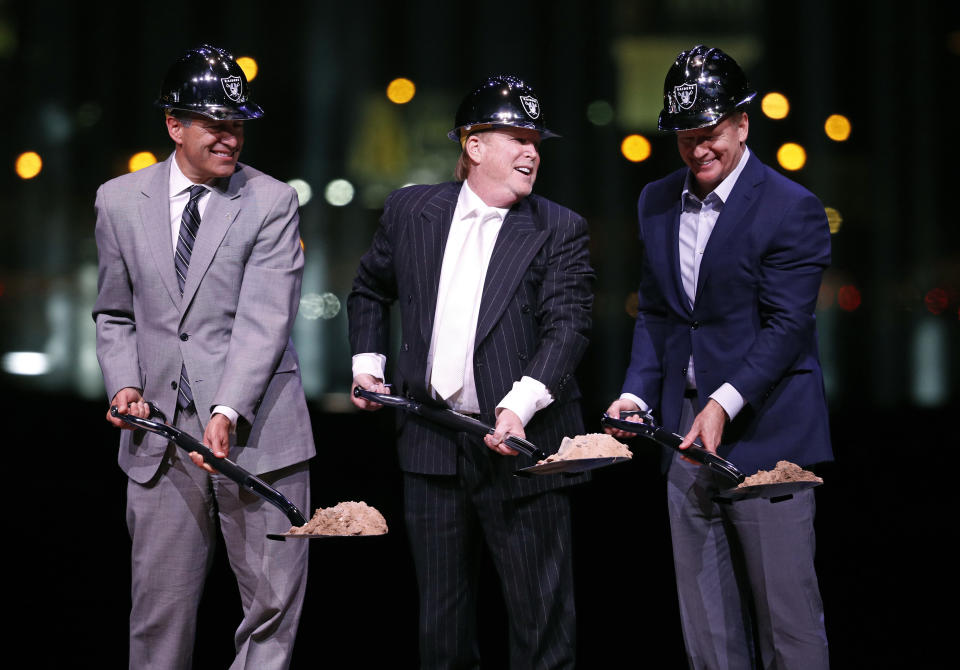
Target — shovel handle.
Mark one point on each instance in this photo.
(448, 418)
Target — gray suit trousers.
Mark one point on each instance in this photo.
(745, 575)
(172, 521)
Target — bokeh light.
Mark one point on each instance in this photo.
(834, 218)
(401, 91)
(848, 297)
(28, 165)
(26, 363)
(141, 159)
(319, 306)
(339, 192)
(837, 127)
(303, 189)
(791, 156)
(775, 105)
(936, 300)
(635, 148)
(249, 67)
(599, 113)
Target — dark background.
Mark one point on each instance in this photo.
(78, 83)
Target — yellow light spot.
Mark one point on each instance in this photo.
(837, 127)
(401, 91)
(249, 67)
(635, 148)
(834, 219)
(775, 105)
(29, 165)
(791, 156)
(141, 159)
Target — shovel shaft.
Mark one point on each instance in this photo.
(224, 466)
(694, 452)
(449, 419)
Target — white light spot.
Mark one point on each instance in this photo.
(26, 363)
(304, 192)
(319, 306)
(339, 192)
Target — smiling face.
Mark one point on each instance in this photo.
(712, 153)
(206, 149)
(504, 164)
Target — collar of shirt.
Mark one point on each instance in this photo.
(179, 193)
(178, 182)
(721, 192)
(469, 205)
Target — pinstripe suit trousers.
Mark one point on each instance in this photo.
(450, 518)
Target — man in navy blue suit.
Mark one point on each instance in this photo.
(493, 285)
(725, 352)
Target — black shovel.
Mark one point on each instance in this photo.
(224, 466)
(448, 418)
(694, 452)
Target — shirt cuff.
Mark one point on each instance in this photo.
(369, 364)
(228, 412)
(526, 398)
(730, 399)
(636, 400)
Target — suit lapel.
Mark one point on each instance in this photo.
(673, 253)
(221, 211)
(429, 238)
(519, 240)
(155, 219)
(732, 217)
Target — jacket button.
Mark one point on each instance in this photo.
(173, 385)
(525, 309)
(684, 372)
(694, 325)
(405, 347)
(522, 356)
(184, 337)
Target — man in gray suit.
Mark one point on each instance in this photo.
(494, 290)
(199, 282)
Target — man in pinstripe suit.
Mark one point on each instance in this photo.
(494, 290)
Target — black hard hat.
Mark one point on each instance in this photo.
(702, 86)
(500, 101)
(207, 80)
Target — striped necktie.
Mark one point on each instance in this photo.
(189, 226)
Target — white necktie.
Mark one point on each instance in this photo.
(459, 313)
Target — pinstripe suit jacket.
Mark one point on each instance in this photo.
(231, 327)
(534, 319)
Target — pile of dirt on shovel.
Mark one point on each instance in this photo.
(591, 445)
(346, 518)
(785, 471)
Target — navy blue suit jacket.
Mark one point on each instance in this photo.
(534, 319)
(752, 323)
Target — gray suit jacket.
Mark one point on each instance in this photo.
(231, 328)
(534, 320)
